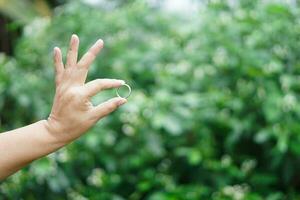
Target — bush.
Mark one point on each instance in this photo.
(213, 114)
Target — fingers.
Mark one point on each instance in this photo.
(58, 63)
(107, 107)
(95, 86)
(90, 56)
(73, 51)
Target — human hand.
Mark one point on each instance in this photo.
(73, 113)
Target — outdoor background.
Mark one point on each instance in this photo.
(214, 112)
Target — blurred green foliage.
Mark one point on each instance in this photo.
(24, 11)
(213, 113)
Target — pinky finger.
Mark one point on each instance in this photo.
(107, 107)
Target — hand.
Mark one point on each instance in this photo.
(72, 113)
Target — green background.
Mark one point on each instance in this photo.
(214, 112)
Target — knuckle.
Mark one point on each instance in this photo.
(70, 53)
(114, 105)
(71, 47)
(73, 93)
(91, 55)
(110, 107)
(57, 82)
(100, 83)
(94, 118)
(81, 66)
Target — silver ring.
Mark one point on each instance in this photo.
(129, 89)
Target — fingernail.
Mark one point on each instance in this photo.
(74, 39)
(99, 42)
(121, 82)
(122, 101)
(55, 51)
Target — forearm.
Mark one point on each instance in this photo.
(21, 146)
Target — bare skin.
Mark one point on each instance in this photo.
(71, 116)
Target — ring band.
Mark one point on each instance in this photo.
(129, 89)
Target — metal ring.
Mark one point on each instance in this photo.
(129, 89)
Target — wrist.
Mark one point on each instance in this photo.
(51, 135)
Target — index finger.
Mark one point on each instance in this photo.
(95, 86)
